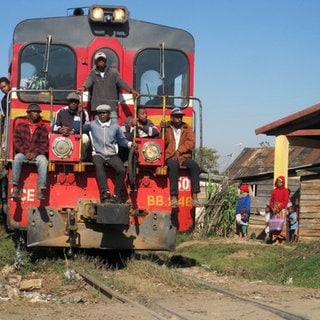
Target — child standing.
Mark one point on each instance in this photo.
(293, 223)
(243, 202)
(267, 216)
(244, 223)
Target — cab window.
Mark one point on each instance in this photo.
(43, 68)
(162, 73)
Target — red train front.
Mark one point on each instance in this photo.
(51, 57)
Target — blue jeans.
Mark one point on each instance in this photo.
(42, 165)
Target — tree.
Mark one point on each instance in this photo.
(209, 161)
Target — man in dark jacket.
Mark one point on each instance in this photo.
(179, 142)
(64, 121)
(31, 143)
(5, 86)
(105, 83)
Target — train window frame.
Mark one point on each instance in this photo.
(61, 76)
(176, 78)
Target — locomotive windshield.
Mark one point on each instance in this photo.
(60, 75)
(162, 75)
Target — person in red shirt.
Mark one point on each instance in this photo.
(278, 203)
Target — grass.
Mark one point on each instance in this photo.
(7, 251)
(254, 260)
(298, 263)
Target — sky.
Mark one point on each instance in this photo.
(256, 60)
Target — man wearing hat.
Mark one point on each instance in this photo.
(31, 143)
(105, 82)
(179, 143)
(105, 136)
(69, 117)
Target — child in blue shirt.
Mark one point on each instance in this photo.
(293, 223)
(243, 202)
(244, 223)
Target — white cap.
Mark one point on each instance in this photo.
(100, 54)
(103, 107)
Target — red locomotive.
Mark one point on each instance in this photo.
(51, 57)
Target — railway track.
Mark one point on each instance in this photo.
(162, 314)
(237, 304)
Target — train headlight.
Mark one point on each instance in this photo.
(151, 151)
(97, 14)
(62, 147)
(119, 15)
(108, 14)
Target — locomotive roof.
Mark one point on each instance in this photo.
(131, 34)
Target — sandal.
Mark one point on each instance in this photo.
(15, 194)
(174, 202)
(196, 203)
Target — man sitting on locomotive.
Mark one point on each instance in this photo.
(31, 143)
(144, 127)
(179, 142)
(67, 116)
(105, 136)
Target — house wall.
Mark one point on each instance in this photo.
(309, 216)
(261, 194)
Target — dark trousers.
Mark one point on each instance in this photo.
(194, 169)
(101, 176)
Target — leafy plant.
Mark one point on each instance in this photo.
(217, 218)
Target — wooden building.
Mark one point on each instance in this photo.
(254, 166)
(300, 129)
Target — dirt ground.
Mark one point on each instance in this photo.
(80, 301)
(51, 301)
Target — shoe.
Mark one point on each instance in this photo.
(196, 203)
(116, 199)
(40, 195)
(106, 197)
(174, 202)
(15, 194)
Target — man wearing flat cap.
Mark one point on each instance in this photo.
(179, 143)
(105, 136)
(105, 82)
(69, 117)
(31, 143)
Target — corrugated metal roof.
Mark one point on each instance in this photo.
(258, 161)
(306, 119)
(301, 128)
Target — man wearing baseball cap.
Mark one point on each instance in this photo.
(179, 143)
(105, 82)
(105, 136)
(69, 117)
(31, 143)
